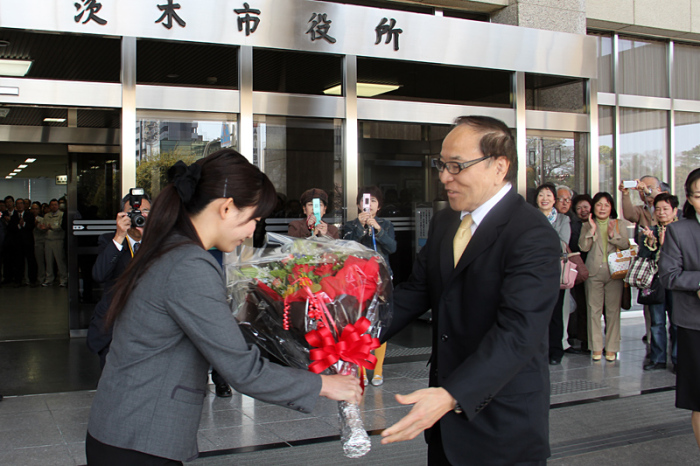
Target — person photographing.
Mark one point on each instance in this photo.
(114, 252)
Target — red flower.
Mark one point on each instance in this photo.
(268, 291)
(357, 278)
(323, 270)
(302, 270)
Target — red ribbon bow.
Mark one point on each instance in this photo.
(354, 346)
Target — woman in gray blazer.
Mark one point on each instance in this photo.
(679, 271)
(603, 234)
(172, 320)
(545, 198)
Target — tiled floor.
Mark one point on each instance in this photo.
(49, 429)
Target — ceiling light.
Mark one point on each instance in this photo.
(17, 170)
(364, 89)
(54, 120)
(22, 166)
(8, 177)
(14, 67)
(12, 174)
(30, 160)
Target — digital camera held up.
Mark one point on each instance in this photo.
(135, 199)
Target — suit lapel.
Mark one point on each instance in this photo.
(446, 249)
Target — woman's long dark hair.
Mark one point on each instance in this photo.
(223, 174)
(609, 198)
(689, 210)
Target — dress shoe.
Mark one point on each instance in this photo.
(653, 366)
(597, 355)
(377, 380)
(223, 391)
(610, 356)
(554, 361)
(572, 350)
(46, 284)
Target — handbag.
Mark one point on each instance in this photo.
(619, 261)
(581, 268)
(567, 278)
(655, 294)
(641, 272)
(626, 300)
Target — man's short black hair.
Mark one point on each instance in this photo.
(9, 197)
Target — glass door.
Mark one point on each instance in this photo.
(559, 157)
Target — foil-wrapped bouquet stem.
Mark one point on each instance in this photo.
(318, 304)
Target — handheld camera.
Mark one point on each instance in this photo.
(135, 200)
(366, 202)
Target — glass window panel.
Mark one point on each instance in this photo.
(643, 143)
(555, 93)
(162, 142)
(558, 157)
(687, 127)
(686, 67)
(396, 157)
(295, 72)
(605, 64)
(64, 56)
(643, 67)
(186, 64)
(299, 154)
(606, 149)
(422, 82)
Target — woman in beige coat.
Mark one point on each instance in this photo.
(603, 234)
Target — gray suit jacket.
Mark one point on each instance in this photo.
(679, 271)
(177, 321)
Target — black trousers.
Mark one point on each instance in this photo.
(437, 457)
(101, 454)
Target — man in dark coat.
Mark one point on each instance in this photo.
(488, 401)
(114, 251)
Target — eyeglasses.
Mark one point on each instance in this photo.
(454, 168)
(565, 200)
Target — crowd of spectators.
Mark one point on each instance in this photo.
(33, 242)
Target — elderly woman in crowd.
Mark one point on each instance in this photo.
(311, 225)
(679, 271)
(545, 198)
(603, 234)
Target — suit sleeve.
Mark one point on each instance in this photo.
(672, 273)
(414, 299)
(586, 239)
(631, 212)
(197, 301)
(528, 292)
(107, 258)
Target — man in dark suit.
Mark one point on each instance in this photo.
(25, 228)
(488, 401)
(114, 251)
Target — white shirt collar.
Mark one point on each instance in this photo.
(480, 212)
(697, 215)
(131, 241)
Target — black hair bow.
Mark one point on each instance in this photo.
(185, 179)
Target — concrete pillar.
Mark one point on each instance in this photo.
(551, 15)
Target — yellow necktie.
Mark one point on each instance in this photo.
(462, 237)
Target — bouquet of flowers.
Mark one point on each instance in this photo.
(316, 304)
